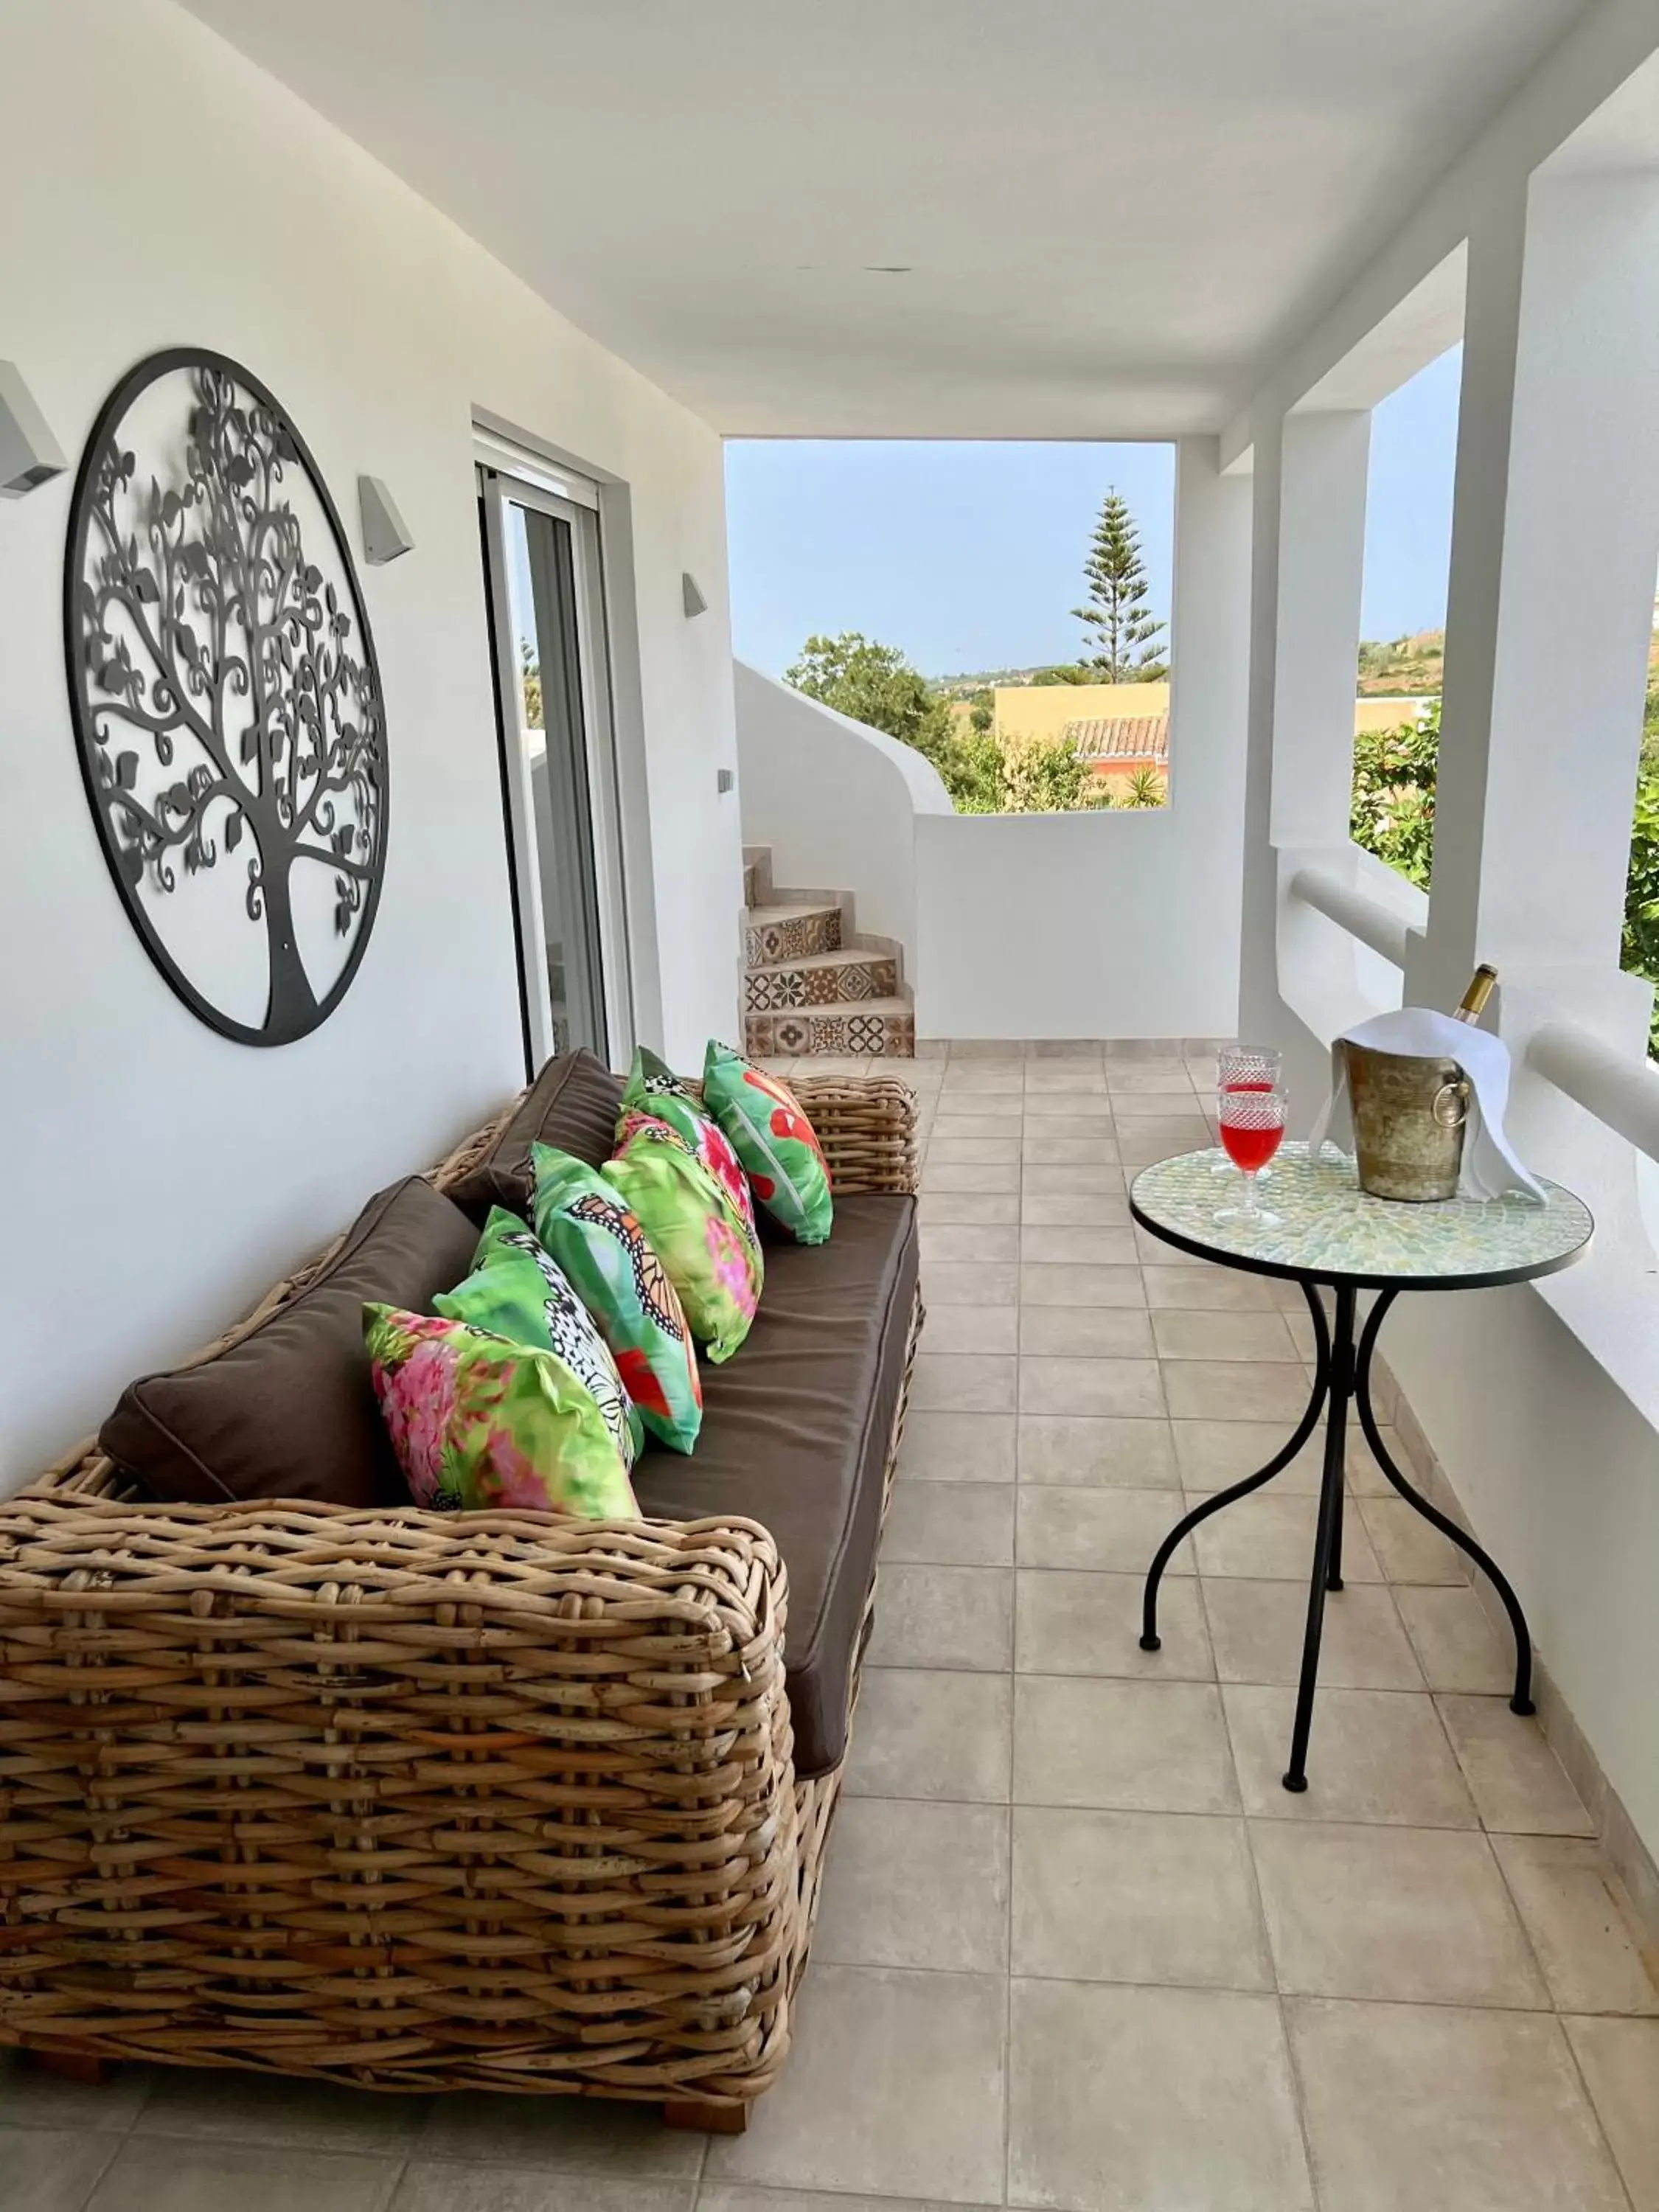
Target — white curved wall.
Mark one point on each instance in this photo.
(836, 801)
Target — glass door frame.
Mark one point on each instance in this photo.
(566, 497)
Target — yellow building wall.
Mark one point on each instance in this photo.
(1042, 710)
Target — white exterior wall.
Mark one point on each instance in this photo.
(836, 801)
(160, 190)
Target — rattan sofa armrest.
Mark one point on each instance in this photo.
(868, 1127)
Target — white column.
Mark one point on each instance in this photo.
(1321, 560)
(1555, 542)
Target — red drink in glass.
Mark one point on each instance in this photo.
(1247, 1147)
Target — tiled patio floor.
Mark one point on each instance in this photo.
(1079, 1948)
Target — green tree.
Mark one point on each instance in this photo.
(530, 680)
(1393, 808)
(1042, 776)
(982, 710)
(1068, 671)
(875, 683)
(1145, 787)
(1123, 629)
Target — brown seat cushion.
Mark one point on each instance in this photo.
(573, 1105)
(795, 1431)
(289, 1411)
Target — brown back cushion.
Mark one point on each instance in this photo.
(573, 1105)
(289, 1411)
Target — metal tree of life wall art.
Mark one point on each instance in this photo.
(226, 696)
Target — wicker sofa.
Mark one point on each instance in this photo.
(415, 1801)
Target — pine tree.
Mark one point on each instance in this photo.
(1123, 629)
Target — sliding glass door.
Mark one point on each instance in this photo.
(558, 782)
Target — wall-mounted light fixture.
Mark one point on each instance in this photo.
(691, 595)
(29, 455)
(386, 534)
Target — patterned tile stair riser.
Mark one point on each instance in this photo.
(791, 937)
(824, 983)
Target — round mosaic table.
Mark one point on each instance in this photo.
(1329, 1234)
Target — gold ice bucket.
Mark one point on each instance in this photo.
(1408, 1118)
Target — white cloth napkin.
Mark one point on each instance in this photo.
(1489, 1167)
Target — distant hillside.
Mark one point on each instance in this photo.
(1408, 668)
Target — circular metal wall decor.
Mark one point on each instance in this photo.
(226, 696)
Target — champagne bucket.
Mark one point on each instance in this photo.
(1409, 1119)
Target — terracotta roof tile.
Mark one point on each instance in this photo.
(1121, 737)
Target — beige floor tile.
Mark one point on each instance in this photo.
(1086, 1332)
(1167, 1897)
(1515, 1779)
(1409, 1915)
(1257, 1627)
(51, 2169)
(967, 1078)
(935, 1616)
(1009, 1052)
(1160, 1137)
(1238, 1390)
(1428, 2108)
(958, 1447)
(932, 1734)
(1044, 1285)
(1130, 1387)
(1411, 1549)
(162, 2173)
(1037, 1181)
(1106, 1530)
(1075, 1209)
(716, 2197)
(946, 1284)
(31, 2099)
(568, 2134)
(1080, 1078)
(1197, 1286)
(1455, 1642)
(1130, 1746)
(1215, 1454)
(1215, 1336)
(1163, 1105)
(967, 1246)
(1150, 2100)
(913, 1884)
(1621, 2064)
(946, 1148)
(971, 1328)
(1123, 1452)
(960, 1177)
(1056, 1145)
(894, 2085)
(1152, 1071)
(1589, 1940)
(442, 2185)
(1054, 1107)
(1269, 1536)
(1077, 1247)
(969, 1209)
(1366, 1477)
(962, 1382)
(966, 1120)
(1070, 1622)
(949, 1524)
(259, 2108)
(1375, 1755)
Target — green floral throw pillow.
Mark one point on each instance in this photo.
(594, 1236)
(772, 1139)
(476, 1422)
(704, 1240)
(655, 1093)
(517, 1291)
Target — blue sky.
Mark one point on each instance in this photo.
(970, 555)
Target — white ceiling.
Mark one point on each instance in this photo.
(1109, 212)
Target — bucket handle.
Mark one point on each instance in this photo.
(1450, 1105)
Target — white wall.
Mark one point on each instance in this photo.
(159, 190)
(1114, 924)
(836, 801)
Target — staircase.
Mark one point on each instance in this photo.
(810, 984)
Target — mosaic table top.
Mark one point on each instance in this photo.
(1331, 1229)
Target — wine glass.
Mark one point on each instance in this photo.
(1252, 1126)
(1246, 1068)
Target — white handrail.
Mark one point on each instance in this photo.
(1374, 924)
(1621, 1092)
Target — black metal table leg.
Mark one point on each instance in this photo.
(1341, 1369)
(1166, 1551)
(1522, 1701)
